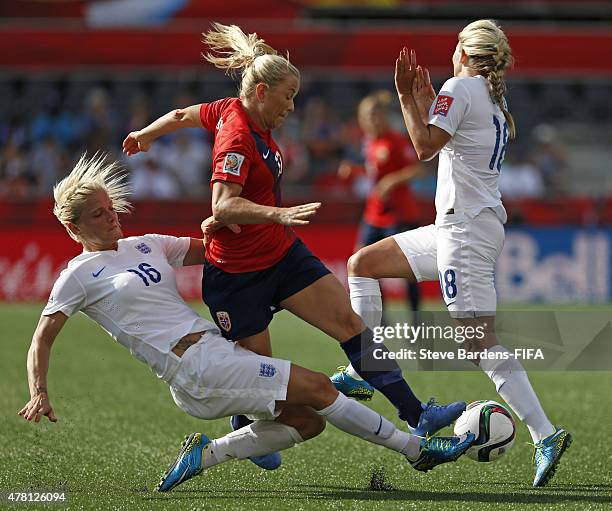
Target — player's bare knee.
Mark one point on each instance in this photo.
(304, 419)
(311, 426)
(358, 264)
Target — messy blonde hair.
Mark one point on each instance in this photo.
(489, 53)
(233, 50)
(87, 177)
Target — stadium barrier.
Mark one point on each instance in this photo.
(538, 264)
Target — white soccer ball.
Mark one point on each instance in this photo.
(493, 426)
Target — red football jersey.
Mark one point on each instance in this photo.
(384, 155)
(244, 154)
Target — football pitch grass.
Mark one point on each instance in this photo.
(119, 429)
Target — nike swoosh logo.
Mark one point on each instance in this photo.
(94, 275)
(379, 426)
(266, 154)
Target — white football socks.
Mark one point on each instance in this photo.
(512, 384)
(265, 437)
(359, 420)
(366, 300)
(256, 439)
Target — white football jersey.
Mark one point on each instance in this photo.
(469, 165)
(131, 292)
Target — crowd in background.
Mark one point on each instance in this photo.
(38, 148)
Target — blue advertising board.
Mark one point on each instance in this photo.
(559, 264)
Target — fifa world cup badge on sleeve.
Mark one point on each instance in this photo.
(443, 105)
(224, 320)
(232, 163)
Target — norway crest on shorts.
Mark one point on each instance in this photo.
(224, 320)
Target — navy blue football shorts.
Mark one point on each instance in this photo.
(243, 304)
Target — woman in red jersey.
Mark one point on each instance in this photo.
(265, 267)
(390, 163)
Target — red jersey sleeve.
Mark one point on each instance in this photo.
(232, 158)
(211, 112)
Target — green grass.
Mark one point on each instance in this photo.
(118, 430)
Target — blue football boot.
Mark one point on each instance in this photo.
(268, 461)
(188, 463)
(547, 455)
(435, 417)
(360, 390)
(436, 450)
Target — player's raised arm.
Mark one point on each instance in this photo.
(141, 140)
(38, 365)
(423, 92)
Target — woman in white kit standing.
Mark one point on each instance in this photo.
(468, 125)
(128, 286)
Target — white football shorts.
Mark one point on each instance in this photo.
(219, 378)
(462, 258)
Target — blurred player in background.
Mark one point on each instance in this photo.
(390, 164)
(128, 286)
(251, 274)
(469, 125)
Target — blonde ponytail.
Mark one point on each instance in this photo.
(233, 50)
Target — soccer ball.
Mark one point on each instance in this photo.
(493, 427)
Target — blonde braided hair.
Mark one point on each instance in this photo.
(489, 53)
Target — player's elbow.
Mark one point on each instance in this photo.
(426, 153)
(183, 117)
(221, 211)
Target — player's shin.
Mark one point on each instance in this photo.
(359, 420)
(382, 373)
(512, 384)
(257, 439)
(366, 300)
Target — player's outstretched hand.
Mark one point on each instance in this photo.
(423, 92)
(37, 407)
(135, 143)
(211, 225)
(405, 71)
(297, 215)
